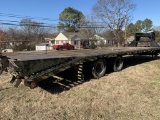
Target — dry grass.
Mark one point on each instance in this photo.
(132, 94)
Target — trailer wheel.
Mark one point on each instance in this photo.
(154, 54)
(118, 64)
(99, 68)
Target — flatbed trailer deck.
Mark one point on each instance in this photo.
(37, 55)
(31, 66)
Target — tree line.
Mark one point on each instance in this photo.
(142, 26)
(24, 36)
(110, 18)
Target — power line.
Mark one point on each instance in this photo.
(17, 23)
(9, 22)
(49, 26)
(29, 17)
(39, 18)
(12, 24)
(42, 24)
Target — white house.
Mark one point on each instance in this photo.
(100, 40)
(75, 39)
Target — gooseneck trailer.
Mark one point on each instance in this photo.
(33, 66)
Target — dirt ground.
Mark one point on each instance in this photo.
(131, 94)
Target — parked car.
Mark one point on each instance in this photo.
(64, 46)
(86, 47)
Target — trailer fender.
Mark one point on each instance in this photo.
(99, 68)
(118, 64)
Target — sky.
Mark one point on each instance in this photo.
(52, 8)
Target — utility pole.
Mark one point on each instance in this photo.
(125, 34)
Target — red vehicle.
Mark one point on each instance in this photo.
(64, 46)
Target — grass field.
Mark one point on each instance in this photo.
(132, 94)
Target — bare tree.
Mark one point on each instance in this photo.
(26, 36)
(90, 26)
(31, 30)
(2, 35)
(116, 14)
(86, 28)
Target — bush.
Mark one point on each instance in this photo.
(93, 45)
(23, 47)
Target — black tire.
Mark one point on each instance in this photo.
(99, 68)
(118, 64)
(72, 48)
(154, 55)
(61, 48)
